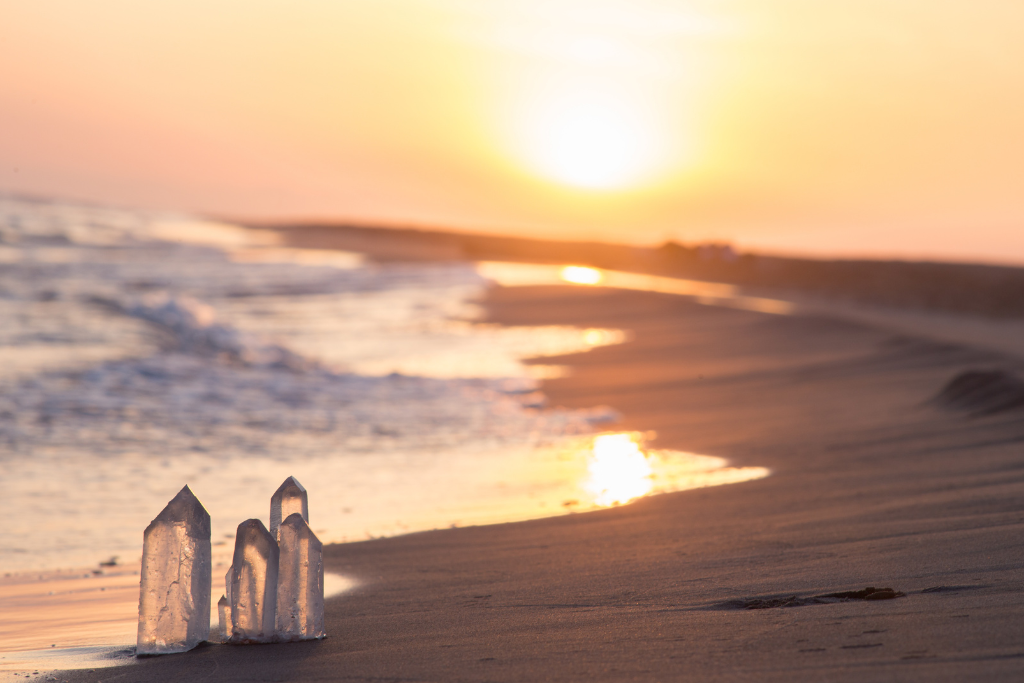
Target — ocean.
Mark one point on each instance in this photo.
(144, 351)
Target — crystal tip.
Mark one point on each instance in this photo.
(290, 484)
(186, 508)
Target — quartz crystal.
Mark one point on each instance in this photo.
(174, 598)
(224, 611)
(253, 584)
(224, 607)
(289, 498)
(300, 585)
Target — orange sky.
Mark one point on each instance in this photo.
(887, 127)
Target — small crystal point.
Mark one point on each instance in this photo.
(174, 596)
(289, 498)
(253, 584)
(224, 610)
(300, 586)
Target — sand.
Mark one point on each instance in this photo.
(873, 485)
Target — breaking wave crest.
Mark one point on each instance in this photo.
(194, 330)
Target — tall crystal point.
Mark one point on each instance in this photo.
(174, 599)
(253, 584)
(289, 498)
(300, 583)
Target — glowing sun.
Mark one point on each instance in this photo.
(591, 140)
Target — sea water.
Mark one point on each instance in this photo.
(141, 352)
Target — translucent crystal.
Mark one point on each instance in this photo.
(224, 610)
(289, 498)
(174, 597)
(253, 584)
(300, 583)
(224, 607)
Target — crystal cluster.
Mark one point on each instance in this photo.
(174, 598)
(273, 592)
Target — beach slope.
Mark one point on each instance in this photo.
(875, 483)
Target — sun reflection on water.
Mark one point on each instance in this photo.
(619, 471)
(581, 275)
(705, 293)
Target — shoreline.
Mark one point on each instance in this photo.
(986, 290)
(871, 486)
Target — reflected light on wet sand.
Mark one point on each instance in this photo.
(705, 293)
(619, 471)
(86, 618)
(581, 275)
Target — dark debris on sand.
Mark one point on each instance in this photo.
(869, 593)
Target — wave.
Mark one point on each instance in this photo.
(194, 330)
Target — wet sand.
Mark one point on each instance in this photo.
(872, 485)
(93, 606)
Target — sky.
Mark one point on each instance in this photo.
(890, 128)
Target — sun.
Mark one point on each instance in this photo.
(591, 140)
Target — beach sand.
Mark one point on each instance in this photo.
(872, 485)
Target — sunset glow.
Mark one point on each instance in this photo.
(796, 125)
(592, 141)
